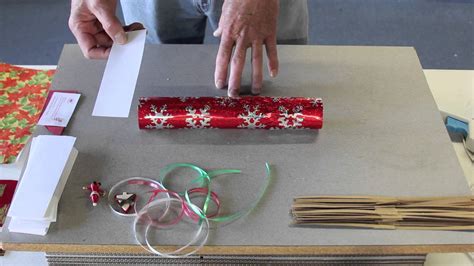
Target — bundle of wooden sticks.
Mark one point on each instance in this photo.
(436, 213)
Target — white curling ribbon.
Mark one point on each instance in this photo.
(165, 209)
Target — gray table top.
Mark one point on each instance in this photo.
(383, 135)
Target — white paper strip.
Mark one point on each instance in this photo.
(48, 161)
(28, 226)
(120, 77)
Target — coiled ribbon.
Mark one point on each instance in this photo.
(177, 206)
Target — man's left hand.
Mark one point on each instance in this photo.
(244, 24)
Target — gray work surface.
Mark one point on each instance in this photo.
(382, 135)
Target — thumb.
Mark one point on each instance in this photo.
(218, 32)
(112, 26)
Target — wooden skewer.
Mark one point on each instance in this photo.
(430, 213)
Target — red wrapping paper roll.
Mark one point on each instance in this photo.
(256, 112)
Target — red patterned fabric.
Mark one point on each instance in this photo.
(7, 188)
(23, 93)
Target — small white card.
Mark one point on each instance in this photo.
(60, 109)
(120, 77)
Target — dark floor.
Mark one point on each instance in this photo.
(33, 31)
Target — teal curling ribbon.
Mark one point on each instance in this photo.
(204, 180)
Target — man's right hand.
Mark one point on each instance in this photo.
(96, 28)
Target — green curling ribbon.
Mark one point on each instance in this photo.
(204, 180)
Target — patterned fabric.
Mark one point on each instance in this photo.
(7, 188)
(22, 96)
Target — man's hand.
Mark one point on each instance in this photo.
(244, 24)
(96, 28)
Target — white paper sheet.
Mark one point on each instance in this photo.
(36, 227)
(120, 77)
(28, 227)
(59, 110)
(49, 157)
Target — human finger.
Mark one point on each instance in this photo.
(89, 46)
(133, 27)
(111, 25)
(102, 39)
(272, 54)
(224, 55)
(218, 32)
(257, 67)
(236, 69)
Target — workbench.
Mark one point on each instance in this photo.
(382, 135)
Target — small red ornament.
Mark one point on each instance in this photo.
(96, 192)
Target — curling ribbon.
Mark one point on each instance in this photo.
(187, 208)
(204, 179)
(138, 181)
(197, 241)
